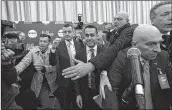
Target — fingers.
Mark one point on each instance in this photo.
(100, 93)
(109, 86)
(18, 78)
(70, 74)
(74, 74)
(103, 92)
(80, 103)
(7, 54)
(67, 71)
(10, 52)
(77, 61)
(76, 77)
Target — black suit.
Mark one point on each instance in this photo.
(122, 40)
(66, 92)
(81, 85)
(120, 78)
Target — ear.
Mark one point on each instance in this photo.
(152, 21)
(134, 43)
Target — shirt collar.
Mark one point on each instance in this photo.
(67, 42)
(168, 33)
(88, 48)
(37, 49)
(142, 60)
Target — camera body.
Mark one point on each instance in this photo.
(11, 41)
(79, 24)
(18, 48)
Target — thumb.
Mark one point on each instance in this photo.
(109, 86)
(77, 61)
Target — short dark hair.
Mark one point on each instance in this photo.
(11, 35)
(46, 35)
(91, 26)
(68, 25)
(152, 11)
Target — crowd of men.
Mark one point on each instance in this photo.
(75, 71)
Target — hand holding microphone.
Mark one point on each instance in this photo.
(134, 56)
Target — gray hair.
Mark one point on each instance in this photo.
(152, 11)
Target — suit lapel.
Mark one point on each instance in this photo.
(84, 54)
(77, 46)
(99, 49)
(153, 75)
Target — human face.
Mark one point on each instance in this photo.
(43, 43)
(150, 46)
(163, 18)
(68, 33)
(119, 21)
(90, 37)
(22, 36)
(12, 41)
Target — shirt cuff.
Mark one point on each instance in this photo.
(53, 50)
(104, 72)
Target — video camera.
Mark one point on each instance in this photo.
(16, 47)
(79, 24)
(6, 24)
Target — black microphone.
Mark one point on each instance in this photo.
(133, 55)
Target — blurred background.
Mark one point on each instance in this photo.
(92, 11)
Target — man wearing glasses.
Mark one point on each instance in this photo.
(66, 51)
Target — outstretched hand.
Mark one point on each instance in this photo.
(104, 81)
(79, 70)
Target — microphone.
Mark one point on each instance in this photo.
(133, 54)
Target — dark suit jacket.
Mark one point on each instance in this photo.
(122, 41)
(120, 78)
(81, 86)
(64, 61)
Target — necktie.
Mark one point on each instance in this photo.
(91, 76)
(70, 53)
(147, 89)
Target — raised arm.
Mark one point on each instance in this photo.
(24, 63)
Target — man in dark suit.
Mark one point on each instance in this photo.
(66, 51)
(88, 86)
(147, 39)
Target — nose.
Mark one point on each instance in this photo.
(157, 48)
(170, 17)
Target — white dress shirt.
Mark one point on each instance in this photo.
(89, 52)
(72, 47)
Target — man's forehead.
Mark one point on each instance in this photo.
(67, 28)
(44, 38)
(121, 15)
(90, 30)
(164, 8)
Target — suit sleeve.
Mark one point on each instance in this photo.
(105, 59)
(9, 74)
(52, 58)
(168, 72)
(115, 75)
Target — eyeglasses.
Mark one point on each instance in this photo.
(67, 32)
(118, 19)
(87, 35)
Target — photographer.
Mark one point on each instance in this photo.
(9, 76)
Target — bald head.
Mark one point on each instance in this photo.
(123, 14)
(120, 19)
(145, 32)
(147, 39)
